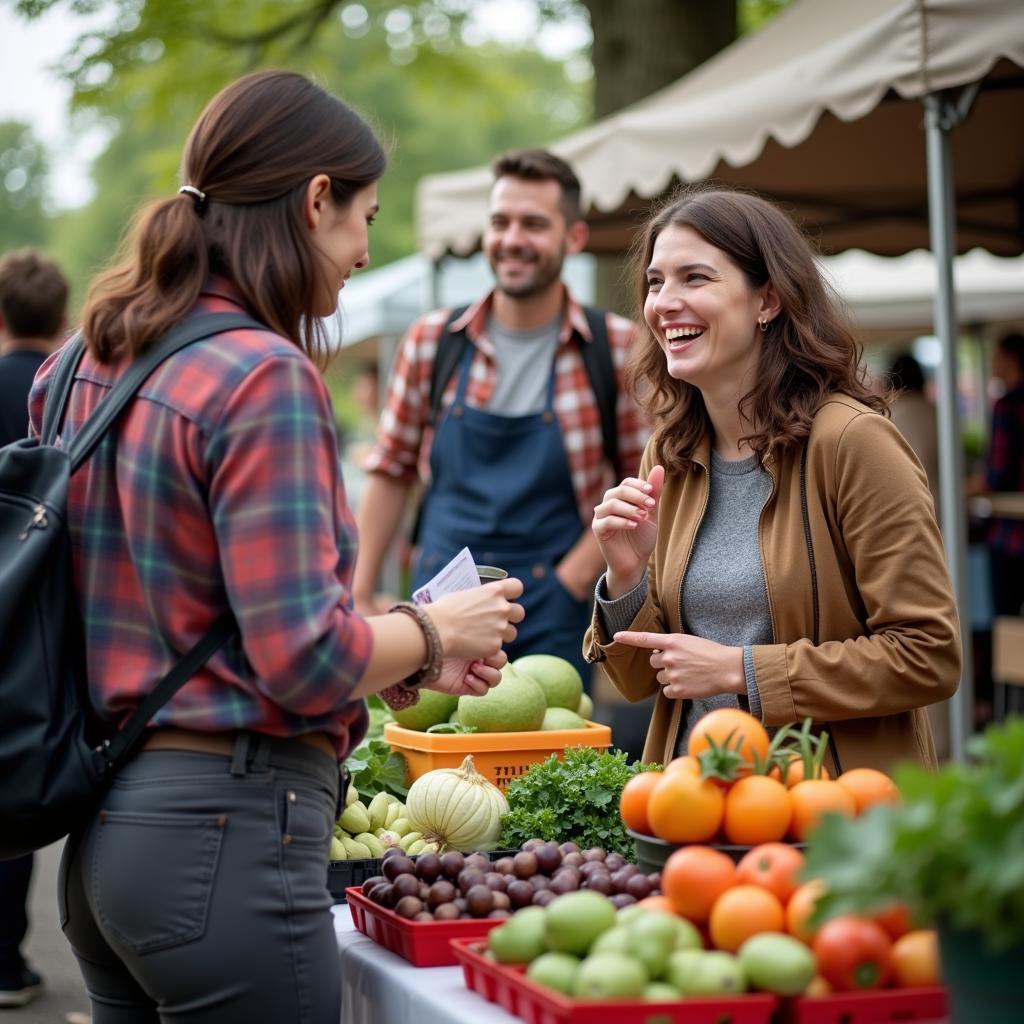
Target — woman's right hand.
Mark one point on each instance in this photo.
(626, 528)
(474, 623)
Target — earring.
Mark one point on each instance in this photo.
(763, 324)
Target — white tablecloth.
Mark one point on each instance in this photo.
(379, 987)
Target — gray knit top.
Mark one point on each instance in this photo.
(723, 594)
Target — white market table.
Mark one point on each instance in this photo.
(379, 987)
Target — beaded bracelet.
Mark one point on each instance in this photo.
(431, 670)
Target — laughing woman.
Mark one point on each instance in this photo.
(778, 550)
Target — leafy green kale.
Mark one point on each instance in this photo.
(574, 799)
(375, 767)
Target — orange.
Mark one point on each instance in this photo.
(773, 866)
(800, 907)
(687, 764)
(743, 911)
(658, 903)
(915, 959)
(733, 728)
(633, 801)
(694, 877)
(795, 771)
(685, 809)
(757, 810)
(812, 799)
(868, 787)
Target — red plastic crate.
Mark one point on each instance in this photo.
(881, 1006)
(422, 943)
(509, 987)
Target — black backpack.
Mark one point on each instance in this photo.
(55, 758)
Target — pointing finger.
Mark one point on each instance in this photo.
(651, 641)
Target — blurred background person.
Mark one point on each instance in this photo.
(914, 414)
(33, 299)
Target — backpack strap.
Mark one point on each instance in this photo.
(112, 753)
(597, 360)
(186, 333)
(450, 346)
(60, 387)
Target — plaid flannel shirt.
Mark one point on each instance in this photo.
(219, 487)
(1005, 469)
(404, 436)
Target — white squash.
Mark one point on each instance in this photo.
(457, 808)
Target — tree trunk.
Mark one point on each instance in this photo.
(641, 46)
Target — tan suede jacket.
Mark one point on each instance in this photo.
(889, 640)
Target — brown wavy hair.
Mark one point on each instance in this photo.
(808, 351)
(252, 152)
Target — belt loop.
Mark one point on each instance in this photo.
(240, 755)
(261, 759)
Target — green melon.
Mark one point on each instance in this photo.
(516, 704)
(431, 708)
(557, 677)
(585, 709)
(561, 718)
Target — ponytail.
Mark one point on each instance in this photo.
(159, 279)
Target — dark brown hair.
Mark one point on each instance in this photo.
(33, 294)
(540, 165)
(252, 152)
(808, 351)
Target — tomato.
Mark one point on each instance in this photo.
(915, 959)
(853, 953)
(800, 907)
(895, 919)
(773, 866)
(868, 787)
(685, 809)
(742, 912)
(687, 764)
(730, 727)
(633, 801)
(777, 963)
(812, 799)
(757, 810)
(694, 877)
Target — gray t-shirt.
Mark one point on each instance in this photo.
(524, 361)
(723, 596)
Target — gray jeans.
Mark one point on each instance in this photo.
(198, 893)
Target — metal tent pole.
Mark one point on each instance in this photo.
(941, 116)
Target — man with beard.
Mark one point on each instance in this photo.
(515, 445)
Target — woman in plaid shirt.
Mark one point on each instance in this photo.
(198, 892)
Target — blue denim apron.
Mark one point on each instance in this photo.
(500, 485)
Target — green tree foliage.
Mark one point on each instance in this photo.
(23, 170)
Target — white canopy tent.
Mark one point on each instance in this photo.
(813, 110)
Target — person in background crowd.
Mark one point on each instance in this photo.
(778, 550)
(914, 415)
(915, 418)
(514, 464)
(1004, 471)
(33, 301)
(198, 892)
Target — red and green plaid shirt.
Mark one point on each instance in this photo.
(404, 436)
(1005, 469)
(220, 487)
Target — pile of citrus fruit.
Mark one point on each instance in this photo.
(735, 785)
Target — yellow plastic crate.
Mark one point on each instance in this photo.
(499, 756)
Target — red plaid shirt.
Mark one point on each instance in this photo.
(219, 487)
(404, 436)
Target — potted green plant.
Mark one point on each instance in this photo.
(953, 851)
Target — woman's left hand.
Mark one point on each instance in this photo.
(690, 667)
(459, 677)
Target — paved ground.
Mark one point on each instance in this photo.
(48, 951)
